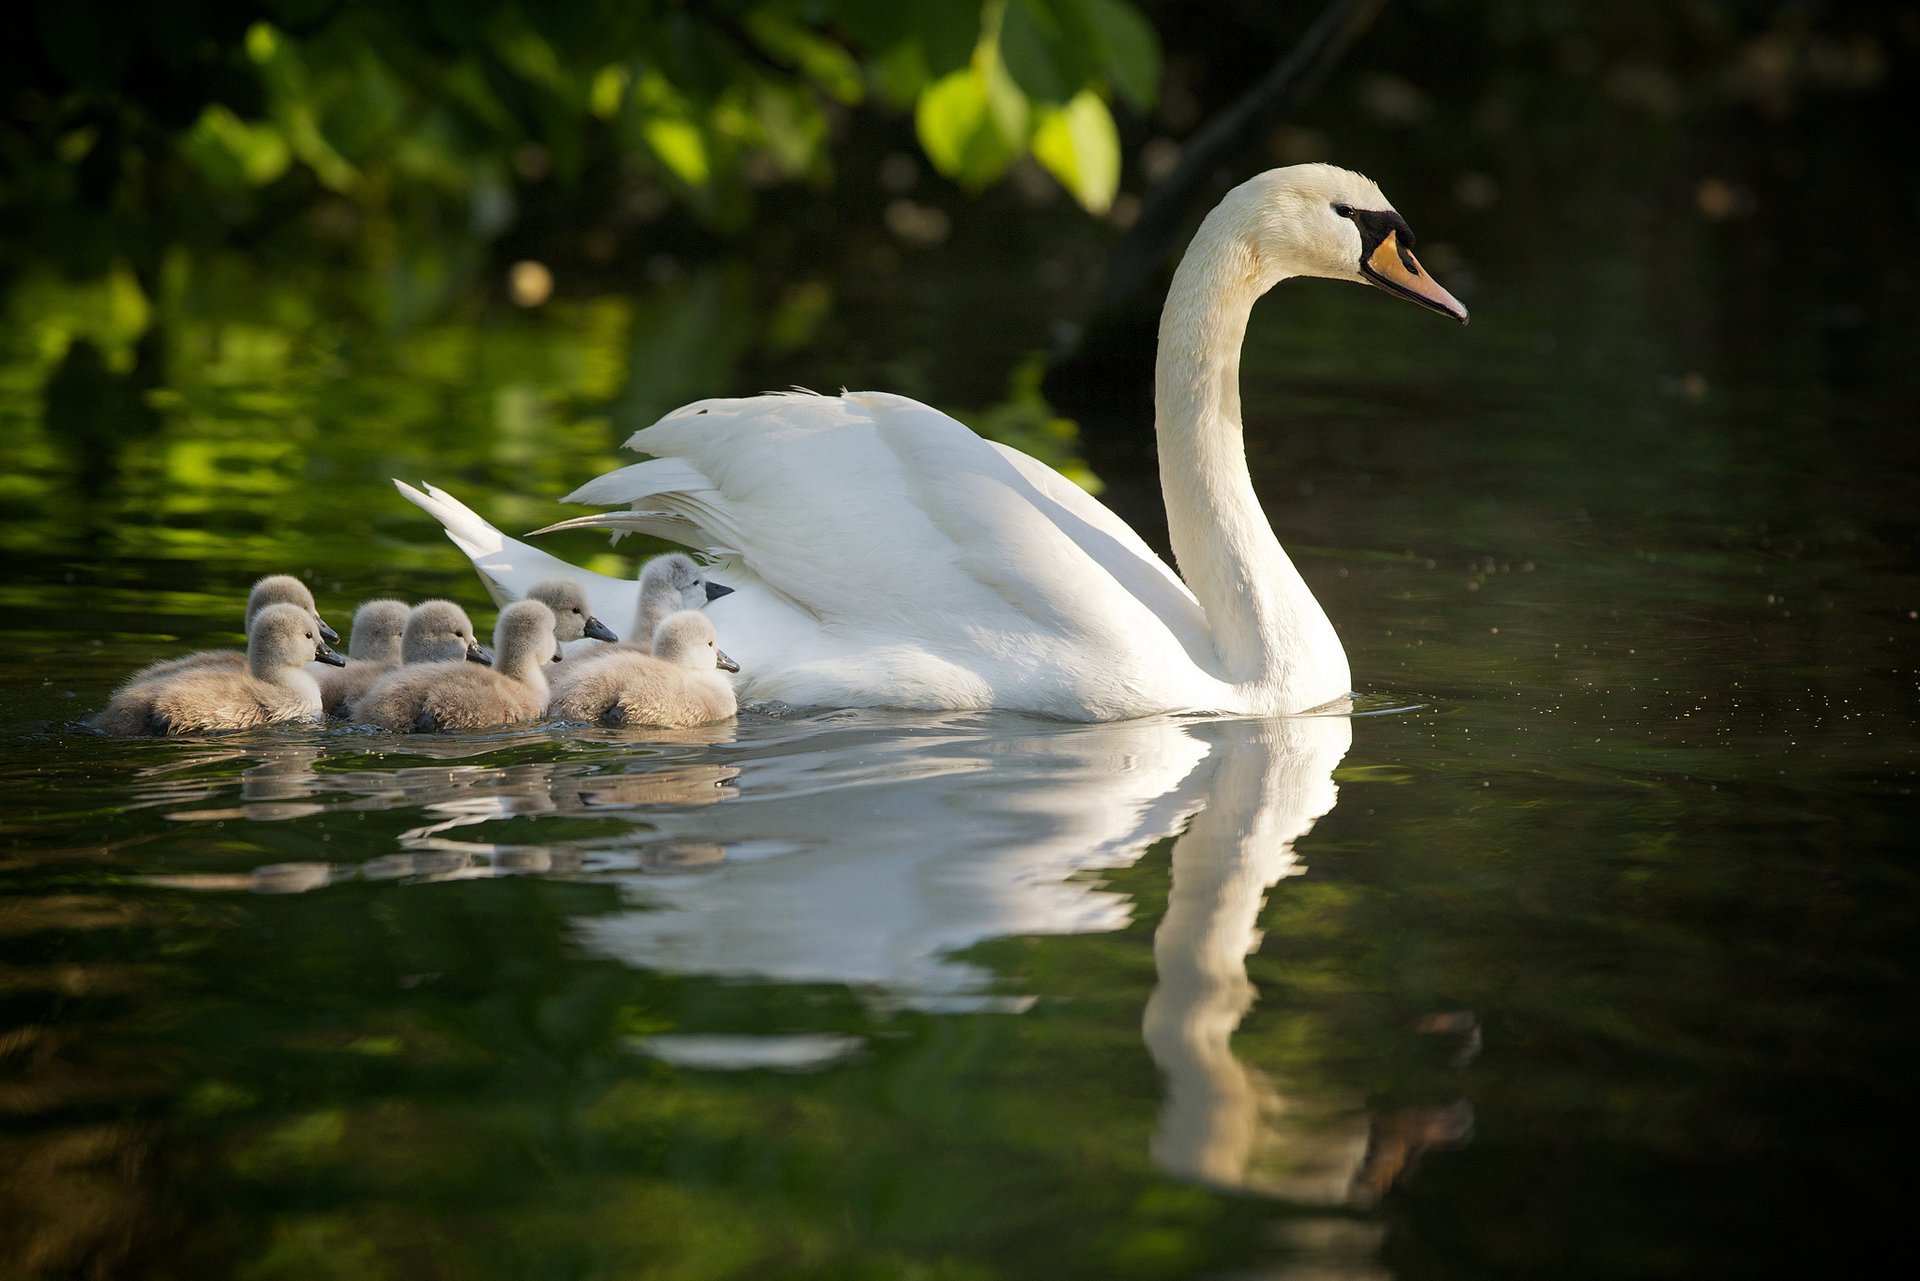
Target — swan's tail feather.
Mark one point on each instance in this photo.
(637, 482)
(509, 568)
(671, 526)
(469, 532)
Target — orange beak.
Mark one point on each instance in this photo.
(1397, 271)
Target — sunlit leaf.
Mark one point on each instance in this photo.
(973, 123)
(1079, 145)
(609, 91)
(235, 153)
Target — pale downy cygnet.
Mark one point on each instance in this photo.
(669, 584)
(455, 696)
(274, 589)
(437, 631)
(573, 617)
(678, 685)
(275, 686)
(373, 650)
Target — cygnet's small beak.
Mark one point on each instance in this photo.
(321, 654)
(597, 630)
(559, 655)
(478, 653)
(715, 591)
(327, 634)
(720, 658)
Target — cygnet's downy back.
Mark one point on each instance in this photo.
(275, 686)
(274, 589)
(373, 649)
(459, 696)
(678, 685)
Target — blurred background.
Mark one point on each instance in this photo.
(1641, 541)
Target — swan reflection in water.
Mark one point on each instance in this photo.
(873, 860)
(873, 849)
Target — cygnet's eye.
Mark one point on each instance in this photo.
(1343, 209)
(576, 610)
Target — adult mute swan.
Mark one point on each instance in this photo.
(884, 555)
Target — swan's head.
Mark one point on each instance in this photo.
(524, 634)
(284, 636)
(379, 627)
(687, 639)
(568, 601)
(1321, 220)
(285, 589)
(438, 631)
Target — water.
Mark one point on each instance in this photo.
(1587, 951)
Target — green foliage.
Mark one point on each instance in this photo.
(405, 110)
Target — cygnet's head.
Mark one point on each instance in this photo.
(284, 636)
(438, 631)
(379, 626)
(573, 618)
(524, 634)
(1321, 220)
(687, 639)
(675, 581)
(285, 589)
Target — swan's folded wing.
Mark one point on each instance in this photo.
(508, 567)
(878, 513)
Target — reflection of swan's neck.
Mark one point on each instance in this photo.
(1272, 781)
(1272, 636)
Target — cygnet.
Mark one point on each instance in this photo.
(669, 584)
(678, 685)
(457, 696)
(275, 687)
(274, 589)
(437, 631)
(573, 617)
(373, 650)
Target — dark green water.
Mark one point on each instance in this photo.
(1592, 954)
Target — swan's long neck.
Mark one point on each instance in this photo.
(1273, 638)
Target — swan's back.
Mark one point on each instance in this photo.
(936, 569)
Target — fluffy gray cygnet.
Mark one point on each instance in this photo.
(373, 650)
(437, 631)
(275, 686)
(678, 685)
(274, 589)
(573, 617)
(450, 697)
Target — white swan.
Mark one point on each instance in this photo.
(884, 555)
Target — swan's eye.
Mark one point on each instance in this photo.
(576, 611)
(1344, 210)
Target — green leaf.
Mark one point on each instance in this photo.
(1079, 145)
(1037, 53)
(234, 153)
(1132, 51)
(973, 123)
